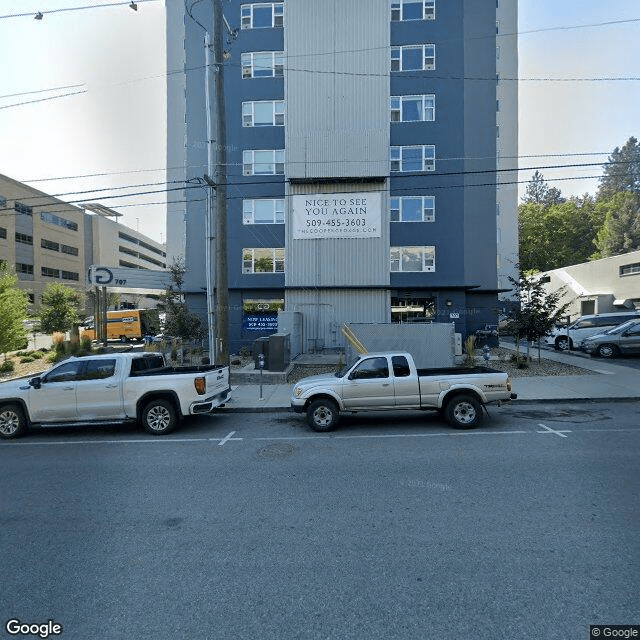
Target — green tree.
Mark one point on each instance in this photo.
(59, 311)
(622, 171)
(179, 322)
(13, 303)
(620, 232)
(558, 235)
(535, 311)
(539, 192)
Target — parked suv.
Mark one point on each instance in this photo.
(624, 338)
(573, 336)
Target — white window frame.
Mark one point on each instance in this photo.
(428, 259)
(249, 207)
(427, 207)
(275, 68)
(428, 57)
(428, 157)
(397, 10)
(268, 167)
(249, 259)
(427, 107)
(277, 14)
(277, 113)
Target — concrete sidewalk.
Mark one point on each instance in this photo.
(607, 380)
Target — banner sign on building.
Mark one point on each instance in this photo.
(259, 322)
(344, 215)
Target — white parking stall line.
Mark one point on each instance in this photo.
(226, 439)
(392, 435)
(560, 433)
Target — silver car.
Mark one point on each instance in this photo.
(623, 339)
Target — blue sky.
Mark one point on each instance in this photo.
(113, 129)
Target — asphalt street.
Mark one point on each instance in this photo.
(250, 526)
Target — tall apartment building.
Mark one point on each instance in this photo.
(362, 154)
(48, 240)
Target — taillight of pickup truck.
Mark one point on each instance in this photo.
(201, 385)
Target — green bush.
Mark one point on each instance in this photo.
(7, 366)
(26, 359)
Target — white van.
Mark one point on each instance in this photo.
(572, 336)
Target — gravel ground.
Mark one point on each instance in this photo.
(500, 359)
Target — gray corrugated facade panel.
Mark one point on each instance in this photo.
(333, 262)
(325, 312)
(337, 88)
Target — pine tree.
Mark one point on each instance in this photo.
(13, 303)
(622, 171)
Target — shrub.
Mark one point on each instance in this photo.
(7, 366)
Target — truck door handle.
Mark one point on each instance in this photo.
(386, 384)
(68, 388)
(110, 386)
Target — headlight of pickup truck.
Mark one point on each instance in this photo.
(297, 392)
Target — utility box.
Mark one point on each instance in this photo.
(279, 351)
(261, 347)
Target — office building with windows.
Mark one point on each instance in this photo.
(363, 157)
(47, 240)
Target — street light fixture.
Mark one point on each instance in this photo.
(133, 6)
(38, 16)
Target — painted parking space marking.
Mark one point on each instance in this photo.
(560, 433)
(231, 437)
(226, 439)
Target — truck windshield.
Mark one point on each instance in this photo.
(343, 371)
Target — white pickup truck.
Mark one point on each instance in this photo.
(118, 387)
(391, 381)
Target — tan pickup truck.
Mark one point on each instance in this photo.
(391, 381)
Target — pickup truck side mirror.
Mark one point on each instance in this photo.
(36, 382)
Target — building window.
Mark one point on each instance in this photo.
(413, 108)
(413, 10)
(262, 15)
(23, 208)
(70, 275)
(263, 261)
(23, 238)
(48, 244)
(52, 218)
(267, 113)
(3, 233)
(71, 251)
(630, 269)
(47, 272)
(408, 259)
(263, 64)
(27, 269)
(3, 201)
(419, 57)
(263, 211)
(415, 158)
(266, 162)
(413, 209)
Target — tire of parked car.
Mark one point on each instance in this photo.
(159, 417)
(463, 412)
(563, 343)
(322, 415)
(607, 351)
(12, 421)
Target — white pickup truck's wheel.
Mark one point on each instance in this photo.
(463, 412)
(322, 415)
(12, 421)
(159, 417)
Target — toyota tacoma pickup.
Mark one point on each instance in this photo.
(123, 387)
(391, 381)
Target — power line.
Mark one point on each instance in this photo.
(67, 9)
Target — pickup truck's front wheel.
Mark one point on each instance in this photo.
(463, 412)
(159, 417)
(12, 421)
(322, 415)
